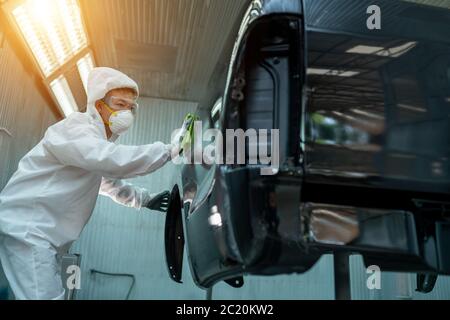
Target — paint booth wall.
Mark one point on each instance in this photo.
(24, 117)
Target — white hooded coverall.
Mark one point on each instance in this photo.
(51, 196)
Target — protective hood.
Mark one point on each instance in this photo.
(100, 82)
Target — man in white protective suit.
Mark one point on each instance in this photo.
(51, 196)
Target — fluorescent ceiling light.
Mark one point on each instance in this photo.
(367, 114)
(53, 30)
(394, 52)
(411, 108)
(64, 96)
(85, 65)
(332, 72)
(365, 49)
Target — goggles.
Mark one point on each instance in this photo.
(120, 104)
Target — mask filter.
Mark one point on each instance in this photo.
(121, 121)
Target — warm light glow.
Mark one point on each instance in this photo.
(85, 65)
(53, 30)
(64, 96)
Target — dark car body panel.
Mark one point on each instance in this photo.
(174, 236)
(364, 142)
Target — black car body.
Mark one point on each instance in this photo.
(364, 131)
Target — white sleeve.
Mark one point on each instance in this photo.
(81, 147)
(124, 193)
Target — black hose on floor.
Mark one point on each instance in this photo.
(133, 279)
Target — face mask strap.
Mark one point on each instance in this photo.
(113, 112)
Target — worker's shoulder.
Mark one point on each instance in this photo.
(76, 123)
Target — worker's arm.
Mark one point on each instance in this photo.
(132, 196)
(80, 146)
(123, 193)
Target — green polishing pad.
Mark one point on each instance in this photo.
(189, 137)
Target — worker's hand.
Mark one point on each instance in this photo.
(159, 202)
(175, 151)
(178, 141)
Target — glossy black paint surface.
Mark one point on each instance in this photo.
(174, 236)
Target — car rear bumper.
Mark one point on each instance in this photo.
(271, 227)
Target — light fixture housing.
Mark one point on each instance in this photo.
(54, 33)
